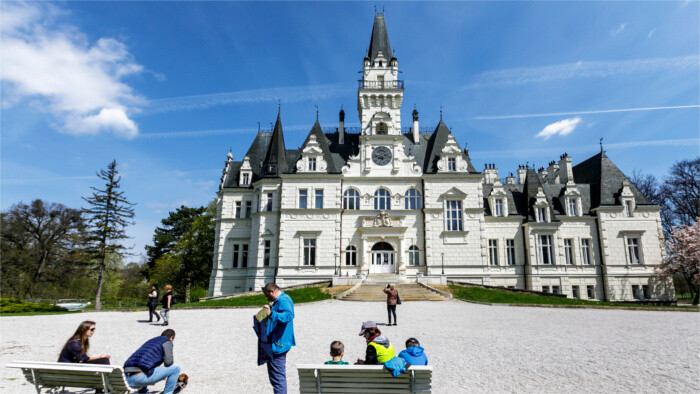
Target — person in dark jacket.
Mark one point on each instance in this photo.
(392, 298)
(380, 351)
(414, 354)
(76, 348)
(153, 304)
(167, 304)
(144, 368)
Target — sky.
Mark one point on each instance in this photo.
(168, 88)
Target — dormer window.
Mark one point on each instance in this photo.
(246, 179)
(452, 164)
(542, 214)
(573, 207)
(628, 208)
(498, 207)
(312, 164)
(380, 63)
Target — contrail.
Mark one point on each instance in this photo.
(601, 111)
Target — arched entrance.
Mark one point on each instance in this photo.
(383, 259)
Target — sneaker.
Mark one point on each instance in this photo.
(179, 387)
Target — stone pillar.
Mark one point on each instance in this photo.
(399, 257)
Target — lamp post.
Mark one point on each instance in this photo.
(336, 264)
(443, 263)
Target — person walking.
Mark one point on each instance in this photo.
(167, 302)
(76, 348)
(144, 368)
(280, 334)
(392, 298)
(153, 304)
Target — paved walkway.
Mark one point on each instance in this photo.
(473, 348)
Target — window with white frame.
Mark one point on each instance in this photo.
(238, 210)
(546, 250)
(453, 215)
(555, 289)
(246, 179)
(628, 208)
(573, 207)
(351, 199)
(303, 198)
(351, 255)
(493, 252)
(413, 255)
(318, 204)
(575, 292)
(545, 289)
(451, 164)
(268, 207)
(510, 251)
(266, 253)
(382, 199)
(309, 251)
(412, 199)
(586, 251)
(569, 251)
(498, 207)
(541, 214)
(244, 255)
(590, 291)
(236, 251)
(248, 209)
(633, 250)
(312, 164)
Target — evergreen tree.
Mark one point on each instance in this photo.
(109, 213)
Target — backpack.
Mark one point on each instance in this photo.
(173, 300)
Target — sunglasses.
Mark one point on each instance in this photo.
(92, 329)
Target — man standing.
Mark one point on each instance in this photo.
(280, 333)
(153, 304)
(143, 368)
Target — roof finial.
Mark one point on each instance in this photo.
(271, 127)
(279, 105)
(601, 144)
(441, 112)
(258, 126)
(375, 9)
(316, 106)
(382, 9)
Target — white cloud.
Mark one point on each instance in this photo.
(80, 84)
(619, 29)
(562, 127)
(651, 33)
(598, 111)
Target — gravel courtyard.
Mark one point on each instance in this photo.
(472, 348)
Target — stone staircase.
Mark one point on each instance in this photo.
(369, 291)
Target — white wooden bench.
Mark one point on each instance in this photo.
(57, 376)
(321, 378)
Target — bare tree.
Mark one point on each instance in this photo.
(681, 191)
(109, 213)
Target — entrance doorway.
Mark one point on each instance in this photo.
(382, 259)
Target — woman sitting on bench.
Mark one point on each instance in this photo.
(75, 350)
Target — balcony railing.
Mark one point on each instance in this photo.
(398, 84)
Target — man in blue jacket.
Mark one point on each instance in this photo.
(414, 354)
(143, 368)
(280, 333)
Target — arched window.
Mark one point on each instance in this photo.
(351, 199)
(413, 255)
(412, 199)
(381, 128)
(351, 255)
(382, 199)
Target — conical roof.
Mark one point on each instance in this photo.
(275, 162)
(380, 40)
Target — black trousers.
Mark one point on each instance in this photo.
(152, 312)
(389, 310)
(104, 360)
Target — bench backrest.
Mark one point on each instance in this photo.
(321, 378)
(109, 378)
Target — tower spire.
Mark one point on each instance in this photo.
(380, 40)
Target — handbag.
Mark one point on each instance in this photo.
(398, 298)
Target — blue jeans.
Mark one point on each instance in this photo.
(142, 381)
(277, 372)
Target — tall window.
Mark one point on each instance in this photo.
(382, 199)
(633, 250)
(635, 292)
(381, 126)
(645, 292)
(319, 199)
(351, 199)
(555, 289)
(575, 292)
(586, 251)
(573, 208)
(236, 249)
(268, 207)
(413, 255)
(590, 291)
(309, 251)
(312, 164)
(493, 251)
(451, 164)
(546, 253)
(246, 179)
(259, 198)
(248, 209)
(510, 251)
(569, 251)
(412, 199)
(541, 215)
(266, 254)
(303, 197)
(238, 209)
(628, 208)
(351, 255)
(244, 256)
(498, 207)
(453, 215)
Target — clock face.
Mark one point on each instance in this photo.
(381, 156)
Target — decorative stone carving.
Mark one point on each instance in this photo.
(382, 219)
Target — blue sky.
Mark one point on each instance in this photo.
(167, 88)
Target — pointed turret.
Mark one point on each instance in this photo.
(275, 162)
(380, 40)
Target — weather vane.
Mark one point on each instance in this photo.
(601, 144)
(316, 106)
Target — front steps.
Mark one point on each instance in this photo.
(374, 292)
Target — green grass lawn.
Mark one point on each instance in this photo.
(309, 294)
(479, 294)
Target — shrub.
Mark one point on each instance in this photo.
(13, 305)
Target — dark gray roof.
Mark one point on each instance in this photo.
(324, 144)
(275, 162)
(605, 181)
(514, 195)
(434, 147)
(379, 40)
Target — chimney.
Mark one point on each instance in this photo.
(543, 172)
(490, 173)
(510, 180)
(565, 171)
(416, 135)
(522, 172)
(341, 126)
(553, 172)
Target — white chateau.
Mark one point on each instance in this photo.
(390, 199)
